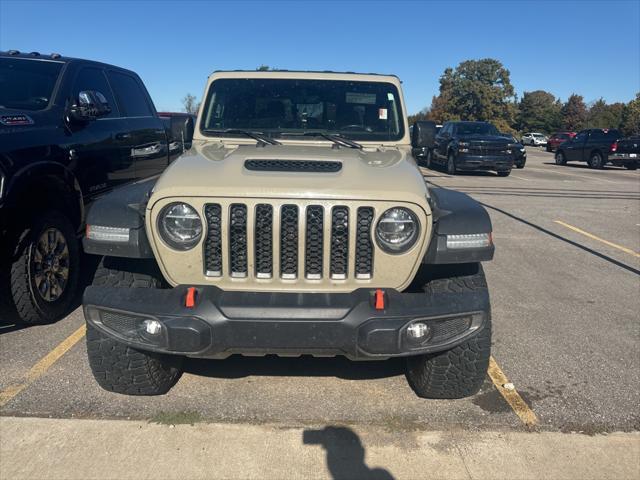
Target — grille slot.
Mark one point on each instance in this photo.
(238, 240)
(263, 235)
(313, 253)
(339, 242)
(213, 243)
(364, 245)
(289, 241)
(293, 166)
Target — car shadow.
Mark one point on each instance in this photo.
(584, 166)
(345, 453)
(237, 366)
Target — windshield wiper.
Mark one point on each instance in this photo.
(335, 138)
(259, 136)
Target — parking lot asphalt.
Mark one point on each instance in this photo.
(565, 287)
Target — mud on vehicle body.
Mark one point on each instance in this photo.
(298, 223)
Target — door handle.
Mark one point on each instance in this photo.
(146, 151)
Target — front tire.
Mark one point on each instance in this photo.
(115, 366)
(504, 173)
(427, 159)
(44, 269)
(458, 372)
(521, 164)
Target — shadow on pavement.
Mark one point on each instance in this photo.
(584, 166)
(345, 454)
(238, 366)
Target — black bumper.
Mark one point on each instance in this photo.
(484, 162)
(222, 323)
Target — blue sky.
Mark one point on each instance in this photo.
(589, 47)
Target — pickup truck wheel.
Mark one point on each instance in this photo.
(631, 166)
(427, 159)
(595, 161)
(116, 366)
(451, 164)
(458, 372)
(503, 173)
(560, 158)
(521, 164)
(44, 269)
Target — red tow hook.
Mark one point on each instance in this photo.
(190, 299)
(379, 299)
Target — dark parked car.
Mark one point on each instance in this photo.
(70, 130)
(598, 146)
(557, 138)
(423, 135)
(472, 146)
(518, 150)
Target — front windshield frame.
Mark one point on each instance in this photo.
(51, 88)
(387, 104)
(481, 128)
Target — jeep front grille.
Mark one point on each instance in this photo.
(302, 240)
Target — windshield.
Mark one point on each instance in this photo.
(280, 107)
(27, 84)
(476, 129)
(538, 135)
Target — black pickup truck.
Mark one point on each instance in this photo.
(472, 146)
(598, 147)
(70, 130)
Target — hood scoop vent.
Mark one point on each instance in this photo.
(304, 166)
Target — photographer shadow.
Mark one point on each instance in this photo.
(345, 454)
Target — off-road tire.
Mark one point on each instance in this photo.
(458, 372)
(451, 164)
(24, 304)
(117, 367)
(503, 173)
(596, 161)
(560, 158)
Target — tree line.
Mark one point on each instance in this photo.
(482, 90)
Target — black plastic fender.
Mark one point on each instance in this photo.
(123, 207)
(456, 213)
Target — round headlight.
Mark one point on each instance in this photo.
(397, 230)
(180, 226)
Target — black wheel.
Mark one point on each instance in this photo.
(595, 161)
(43, 270)
(458, 372)
(116, 366)
(451, 164)
(427, 159)
(503, 173)
(631, 166)
(521, 164)
(560, 158)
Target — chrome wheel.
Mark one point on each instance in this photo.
(50, 264)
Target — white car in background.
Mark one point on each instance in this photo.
(537, 139)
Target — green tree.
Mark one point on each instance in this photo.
(631, 117)
(602, 115)
(190, 104)
(574, 113)
(538, 111)
(263, 68)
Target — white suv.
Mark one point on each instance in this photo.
(534, 139)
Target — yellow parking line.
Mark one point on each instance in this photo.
(606, 242)
(40, 368)
(511, 395)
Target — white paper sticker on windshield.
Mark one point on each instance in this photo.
(390, 97)
(366, 98)
(382, 113)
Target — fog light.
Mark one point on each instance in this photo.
(417, 331)
(152, 327)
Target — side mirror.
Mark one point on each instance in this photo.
(89, 105)
(423, 134)
(181, 130)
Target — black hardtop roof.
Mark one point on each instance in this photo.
(54, 57)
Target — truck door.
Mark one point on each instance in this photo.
(442, 141)
(148, 139)
(573, 151)
(97, 148)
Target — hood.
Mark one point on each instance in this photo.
(218, 170)
(477, 138)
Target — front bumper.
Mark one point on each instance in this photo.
(222, 323)
(484, 162)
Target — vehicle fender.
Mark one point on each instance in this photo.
(456, 213)
(123, 207)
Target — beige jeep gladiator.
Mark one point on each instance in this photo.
(297, 224)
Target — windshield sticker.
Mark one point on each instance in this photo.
(366, 98)
(382, 113)
(390, 97)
